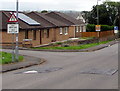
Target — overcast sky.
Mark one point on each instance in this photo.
(24, 5)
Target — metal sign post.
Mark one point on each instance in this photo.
(14, 29)
(13, 54)
(16, 49)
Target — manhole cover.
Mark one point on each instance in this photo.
(98, 71)
(42, 70)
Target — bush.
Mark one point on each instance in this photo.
(58, 43)
(91, 28)
(106, 27)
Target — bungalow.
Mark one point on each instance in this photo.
(75, 26)
(37, 28)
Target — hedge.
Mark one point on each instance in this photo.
(91, 28)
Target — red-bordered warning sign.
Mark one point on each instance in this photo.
(12, 18)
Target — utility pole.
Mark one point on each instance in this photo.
(16, 49)
(98, 20)
(97, 14)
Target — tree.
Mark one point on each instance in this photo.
(85, 15)
(44, 11)
(113, 9)
(109, 13)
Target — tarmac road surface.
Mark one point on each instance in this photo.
(67, 70)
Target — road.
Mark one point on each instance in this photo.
(70, 75)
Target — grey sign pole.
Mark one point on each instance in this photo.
(13, 48)
(16, 49)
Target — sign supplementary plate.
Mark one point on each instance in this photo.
(12, 28)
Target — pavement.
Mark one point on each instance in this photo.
(31, 61)
(27, 62)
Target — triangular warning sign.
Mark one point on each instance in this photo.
(12, 18)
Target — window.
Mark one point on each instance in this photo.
(34, 34)
(80, 29)
(84, 28)
(47, 33)
(61, 31)
(77, 29)
(26, 34)
(66, 31)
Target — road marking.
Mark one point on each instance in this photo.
(30, 72)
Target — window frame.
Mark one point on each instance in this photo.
(66, 31)
(77, 29)
(61, 30)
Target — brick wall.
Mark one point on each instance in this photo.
(71, 32)
(54, 35)
(36, 41)
(45, 39)
(7, 38)
(74, 32)
(63, 36)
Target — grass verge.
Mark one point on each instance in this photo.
(74, 47)
(6, 58)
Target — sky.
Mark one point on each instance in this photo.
(38, 5)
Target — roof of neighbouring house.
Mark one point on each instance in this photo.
(45, 20)
(35, 20)
(64, 18)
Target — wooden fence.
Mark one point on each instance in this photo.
(95, 34)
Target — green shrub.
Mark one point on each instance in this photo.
(58, 43)
(91, 28)
(106, 27)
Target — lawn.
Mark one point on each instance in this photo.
(6, 58)
(74, 47)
